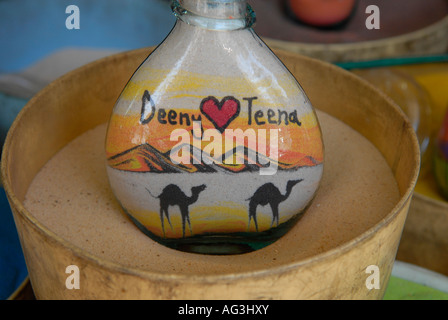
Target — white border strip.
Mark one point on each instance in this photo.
(420, 275)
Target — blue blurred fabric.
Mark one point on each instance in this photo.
(13, 270)
(31, 30)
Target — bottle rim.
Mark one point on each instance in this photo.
(229, 23)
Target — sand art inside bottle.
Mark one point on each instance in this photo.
(213, 147)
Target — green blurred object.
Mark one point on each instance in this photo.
(400, 289)
(391, 62)
(411, 282)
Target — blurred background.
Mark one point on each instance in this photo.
(36, 46)
(402, 49)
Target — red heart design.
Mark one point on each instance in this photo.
(220, 113)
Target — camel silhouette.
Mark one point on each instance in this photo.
(269, 194)
(172, 195)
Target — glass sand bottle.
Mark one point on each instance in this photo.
(213, 147)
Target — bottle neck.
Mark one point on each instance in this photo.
(215, 14)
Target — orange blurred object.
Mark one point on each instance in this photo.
(322, 13)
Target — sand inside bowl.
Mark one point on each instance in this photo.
(71, 197)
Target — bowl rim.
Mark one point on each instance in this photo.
(215, 277)
(437, 27)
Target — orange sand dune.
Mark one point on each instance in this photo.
(136, 147)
